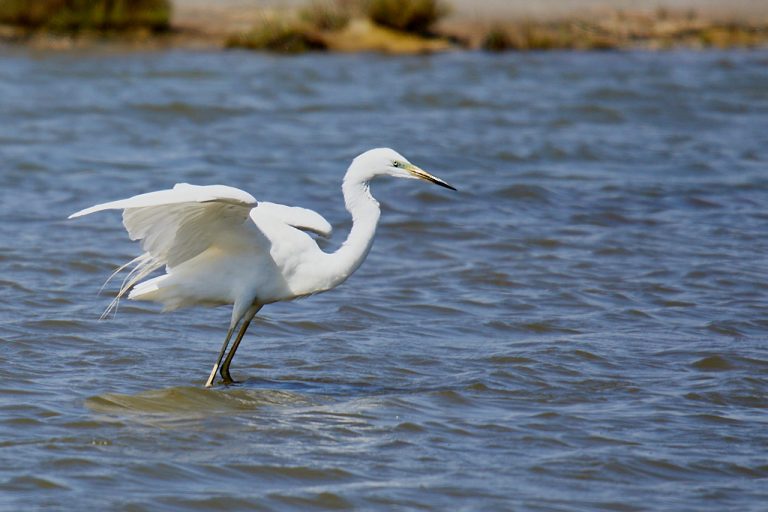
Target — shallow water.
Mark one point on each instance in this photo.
(581, 327)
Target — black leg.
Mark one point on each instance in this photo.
(212, 376)
(225, 375)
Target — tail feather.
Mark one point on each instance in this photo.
(160, 289)
(144, 266)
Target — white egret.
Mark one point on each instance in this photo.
(220, 246)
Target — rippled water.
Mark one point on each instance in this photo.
(582, 327)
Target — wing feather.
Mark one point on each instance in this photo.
(180, 193)
(300, 218)
(175, 225)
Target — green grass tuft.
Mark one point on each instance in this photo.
(91, 15)
(278, 36)
(417, 16)
(497, 40)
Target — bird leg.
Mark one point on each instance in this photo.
(226, 377)
(246, 322)
(212, 376)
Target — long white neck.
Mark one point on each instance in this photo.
(365, 216)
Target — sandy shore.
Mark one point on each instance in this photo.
(555, 9)
(229, 15)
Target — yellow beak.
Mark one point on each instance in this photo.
(424, 175)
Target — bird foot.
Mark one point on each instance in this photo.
(227, 379)
(226, 382)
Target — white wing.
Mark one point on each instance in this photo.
(300, 218)
(180, 193)
(176, 225)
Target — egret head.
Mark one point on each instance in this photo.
(388, 162)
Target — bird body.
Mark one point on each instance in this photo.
(263, 258)
(220, 246)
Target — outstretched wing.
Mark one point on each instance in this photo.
(175, 225)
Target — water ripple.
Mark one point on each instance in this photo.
(580, 327)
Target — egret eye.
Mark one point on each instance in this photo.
(395, 164)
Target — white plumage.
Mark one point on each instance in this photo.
(220, 246)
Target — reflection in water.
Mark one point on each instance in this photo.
(189, 403)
